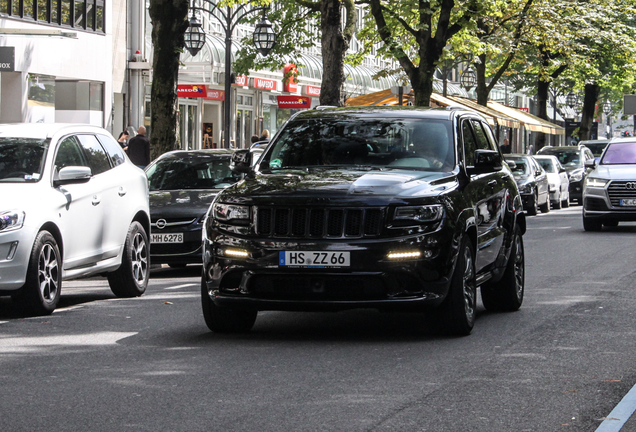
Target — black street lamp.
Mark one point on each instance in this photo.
(607, 107)
(468, 79)
(264, 39)
(571, 99)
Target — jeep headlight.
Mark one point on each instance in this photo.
(419, 214)
(595, 182)
(231, 212)
(11, 220)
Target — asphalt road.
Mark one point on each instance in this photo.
(150, 364)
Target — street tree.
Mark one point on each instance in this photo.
(303, 24)
(415, 34)
(169, 23)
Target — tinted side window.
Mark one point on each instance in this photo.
(492, 141)
(97, 157)
(69, 153)
(113, 149)
(470, 144)
(480, 135)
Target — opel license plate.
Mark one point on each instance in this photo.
(166, 238)
(314, 259)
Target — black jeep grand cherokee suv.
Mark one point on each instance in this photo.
(386, 208)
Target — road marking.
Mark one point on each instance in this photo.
(180, 286)
(620, 414)
(33, 344)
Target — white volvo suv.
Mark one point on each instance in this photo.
(72, 205)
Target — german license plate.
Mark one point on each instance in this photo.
(628, 202)
(314, 259)
(166, 238)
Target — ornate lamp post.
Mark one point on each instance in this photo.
(264, 39)
(607, 109)
(468, 79)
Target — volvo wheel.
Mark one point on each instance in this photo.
(131, 278)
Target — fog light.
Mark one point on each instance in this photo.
(404, 255)
(12, 249)
(239, 253)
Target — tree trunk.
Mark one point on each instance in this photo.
(482, 88)
(169, 23)
(542, 110)
(589, 106)
(334, 48)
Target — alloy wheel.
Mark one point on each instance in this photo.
(139, 258)
(48, 273)
(468, 284)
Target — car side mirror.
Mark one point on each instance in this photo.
(590, 163)
(511, 164)
(72, 174)
(241, 162)
(486, 161)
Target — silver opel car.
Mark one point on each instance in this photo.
(72, 205)
(609, 194)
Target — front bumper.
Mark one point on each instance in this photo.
(576, 190)
(597, 205)
(15, 252)
(371, 281)
(188, 252)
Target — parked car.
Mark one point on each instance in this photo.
(558, 180)
(182, 184)
(72, 205)
(595, 146)
(377, 207)
(532, 182)
(609, 196)
(573, 159)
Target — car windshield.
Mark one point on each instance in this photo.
(568, 158)
(22, 159)
(521, 167)
(189, 171)
(596, 148)
(399, 143)
(547, 165)
(620, 153)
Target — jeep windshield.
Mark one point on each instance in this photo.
(363, 143)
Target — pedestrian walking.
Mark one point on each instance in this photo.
(139, 148)
(122, 140)
(264, 135)
(505, 147)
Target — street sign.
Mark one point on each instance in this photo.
(7, 59)
(629, 104)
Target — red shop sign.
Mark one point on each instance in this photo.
(191, 90)
(293, 102)
(524, 110)
(312, 90)
(290, 82)
(241, 80)
(264, 84)
(218, 95)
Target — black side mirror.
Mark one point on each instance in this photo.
(486, 161)
(241, 162)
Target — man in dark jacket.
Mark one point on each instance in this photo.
(139, 148)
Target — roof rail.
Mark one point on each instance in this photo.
(321, 107)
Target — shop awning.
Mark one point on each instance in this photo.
(383, 97)
(502, 119)
(529, 121)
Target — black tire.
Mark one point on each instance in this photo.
(545, 207)
(459, 308)
(558, 204)
(222, 319)
(506, 295)
(565, 203)
(533, 208)
(592, 224)
(131, 278)
(41, 291)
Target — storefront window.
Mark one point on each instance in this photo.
(80, 14)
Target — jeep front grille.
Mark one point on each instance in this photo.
(309, 222)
